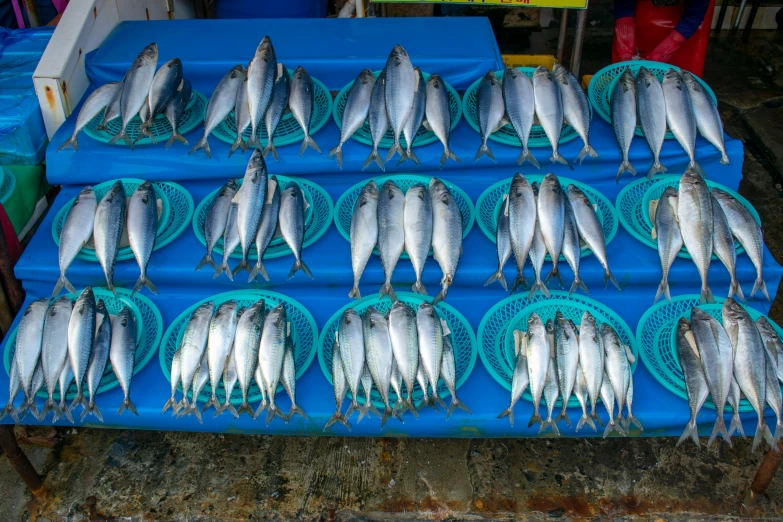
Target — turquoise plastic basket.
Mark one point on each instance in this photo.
(495, 334)
(304, 334)
(507, 135)
(423, 136)
(490, 205)
(288, 130)
(344, 207)
(149, 328)
(176, 213)
(599, 92)
(161, 129)
(464, 341)
(656, 335)
(7, 185)
(318, 217)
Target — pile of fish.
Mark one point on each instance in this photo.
(63, 342)
(416, 221)
(725, 361)
(679, 103)
(108, 225)
(401, 347)
(399, 99)
(235, 345)
(261, 93)
(537, 220)
(557, 359)
(252, 212)
(706, 222)
(143, 92)
(552, 98)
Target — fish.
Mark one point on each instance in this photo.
(29, 404)
(340, 385)
(651, 109)
(230, 240)
(669, 238)
(266, 227)
(567, 358)
(200, 380)
(135, 88)
(591, 230)
(416, 116)
(680, 115)
(144, 114)
(215, 221)
(519, 100)
(437, 115)
(64, 383)
(551, 392)
(747, 232)
(404, 337)
(54, 348)
(551, 217)
(772, 343)
(352, 354)
(549, 110)
(446, 234)
(608, 397)
(734, 401)
(417, 228)
(379, 355)
(98, 359)
(277, 107)
(576, 109)
(292, 217)
(623, 110)
(537, 254)
(520, 379)
(122, 354)
(271, 352)
(379, 120)
(368, 408)
(143, 231)
(694, 213)
(81, 335)
(430, 330)
(522, 219)
(176, 378)
(448, 371)
(302, 102)
(76, 232)
(580, 391)
(537, 353)
(220, 342)
(591, 359)
(774, 398)
(357, 107)
(242, 118)
(616, 367)
(288, 378)
(421, 378)
(396, 384)
(14, 387)
(261, 74)
(192, 347)
(162, 90)
(572, 247)
(399, 92)
(92, 106)
(109, 222)
(221, 103)
(490, 112)
(364, 233)
(251, 197)
(229, 382)
(264, 404)
(246, 343)
(391, 232)
(503, 243)
(630, 418)
(175, 110)
(706, 114)
(112, 111)
(723, 246)
(695, 379)
(750, 365)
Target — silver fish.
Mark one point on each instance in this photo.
(772, 343)
(416, 116)
(567, 357)
(448, 371)
(144, 115)
(417, 224)
(623, 105)
(230, 241)
(774, 397)
(503, 243)
(551, 392)
(92, 106)
(288, 378)
(522, 221)
(537, 254)
(368, 408)
(340, 385)
(537, 353)
(590, 230)
(352, 354)
(81, 334)
(76, 232)
(396, 384)
(430, 332)
(391, 232)
(695, 379)
(519, 378)
(576, 109)
(122, 354)
(112, 111)
(274, 114)
(379, 355)
(292, 217)
(109, 222)
(14, 387)
(266, 227)
(176, 109)
(357, 106)
(572, 248)
(446, 234)
(421, 378)
(221, 103)
(723, 246)
(302, 102)
(250, 197)
(651, 109)
(176, 379)
(630, 418)
(143, 231)
(667, 232)
(679, 115)
(706, 113)
(222, 330)
(405, 347)
(246, 343)
(694, 213)
(580, 391)
(261, 74)
(616, 367)
(98, 359)
(270, 355)
(608, 397)
(264, 404)
(591, 359)
(519, 100)
(200, 380)
(192, 348)
(242, 118)
(491, 111)
(29, 405)
(734, 401)
(215, 221)
(399, 92)
(230, 378)
(437, 115)
(54, 348)
(549, 110)
(551, 217)
(162, 90)
(379, 120)
(135, 88)
(364, 233)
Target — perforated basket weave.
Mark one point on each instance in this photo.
(423, 136)
(344, 208)
(149, 328)
(160, 129)
(7, 185)
(463, 341)
(318, 217)
(507, 135)
(288, 130)
(176, 212)
(303, 334)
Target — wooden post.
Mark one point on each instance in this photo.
(20, 462)
(766, 472)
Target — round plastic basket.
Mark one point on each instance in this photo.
(344, 207)
(599, 92)
(656, 335)
(7, 184)
(463, 341)
(507, 135)
(161, 129)
(318, 217)
(288, 130)
(176, 212)
(490, 205)
(149, 328)
(423, 136)
(303, 334)
(495, 334)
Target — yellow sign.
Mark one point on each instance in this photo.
(570, 4)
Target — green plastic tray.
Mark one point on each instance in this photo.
(161, 129)
(318, 217)
(149, 328)
(303, 333)
(176, 212)
(464, 342)
(7, 185)
(344, 207)
(423, 136)
(288, 130)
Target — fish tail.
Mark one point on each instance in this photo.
(549, 423)
(596, 418)
(447, 155)
(48, 406)
(223, 268)
(418, 287)
(387, 412)
(508, 412)
(270, 147)
(171, 403)
(258, 269)
(353, 407)
(245, 406)
(761, 433)
(9, 410)
(724, 158)
(736, 425)
(719, 429)
(395, 149)
(412, 155)
(176, 136)
(337, 417)
(213, 401)
(408, 405)
(538, 285)
(456, 403)
(182, 406)
(262, 406)
(70, 142)
(625, 166)
(92, 408)
(556, 274)
(519, 282)
(534, 419)
(194, 410)
(354, 293)
(296, 410)
(370, 408)
(759, 285)
(227, 406)
(21, 411)
(374, 156)
(63, 408)
(441, 295)
(706, 295)
(564, 415)
(696, 167)
(243, 265)
(587, 150)
(203, 143)
(736, 289)
(63, 282)
(586, 419)
(122, 135)
(498, 276)
(577, 284)
(632, 420)
(239, 143)
(299, 264)
(144, 281)
(657, 168)
(127, 404)
(386, 289)
(663, 290)
(613, 425)
(273, 411)
(207, 260)
(484, 149)
(526, 155)
(777, 434)
(308, 141)
(337, 152)
(608, 276)
(691, 431)
(556, 157)
(79, 399)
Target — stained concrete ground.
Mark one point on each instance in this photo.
(183, 476)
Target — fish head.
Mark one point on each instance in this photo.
(265, 48)
(292, 191)
(434, 81)
(560, 73)
(227, 307)
(205, 310)
(277, 315)
(365, 77)
(398, 52)
(691, 180)
(511, 72)
(534, 321)
(519, 185)
(733, 310)
(491, 78)
(418, 190)
(390, 190)
(87, 295)
(560, 319)
(236, 71)
(100, 307)
(691, 81)
(369, 193)
(439, 190)
(375, 319)
(426, 309)
(671, 76)
(683, 326)
(87, 193)
(627, 81)
(124, 318)
(400, 307)
(256, 161)
(60, 305)
(542, 73)
(697, 314)
(550, 182)
(670, 192)
(149, 53)
(550, 326)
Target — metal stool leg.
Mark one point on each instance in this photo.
(561, 37)
(721, 15)
(751, 18)
(20, 462)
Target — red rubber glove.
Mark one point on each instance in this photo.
(624, 44)
(668, 46)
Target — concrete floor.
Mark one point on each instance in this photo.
(182, 476)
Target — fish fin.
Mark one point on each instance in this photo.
(534, 419)
(613, 425)
(353, 407)
(564, 417)
(63, 282)
(577, 284)
(484, 149)
(663, 290)
(447, 155)
(657, 168)
(395, 149)
(508, 412)
(239, 143)
(171, 403)
(549, 424)
(308, 141)
(70, 142)
(736, 289)
(418, 287)
(387, 412)
(176, 136)
(436, 400)
(354, 293)
(296, 410)
(230, 407)
(272, 412)
(258, 269)
(299, 264)
(706, 295)
(224, 268)
(374, 156)
(632, 420)
(759, 285)
(386, 289)
(207, 260)
(608, 276)
(724, 159)
(719, 429)
(556, 274)
(79, 399)
(412, 155)
(456, 403)
(441, 295)
(736, 425)
(242, 265)
(556, 157)
(337, 152)
(48, 405)
(143, 281)
(696, 167)
(520, 282)
(122, 135)
(408, 405)
(586, 419)
(262, 406)
(526, 155)
(692, 431)
(64, 410)
(776, 435)
(538, 285)
(761, 433)
(337, 417)
(270, 147)
(9, 410)
(194, 411)
(92, 408)
(369, 408)
(213, 401)
(625, 166)
(597, 419)
(246, 408)
(127, 404)
(498, 276)
(203, 143)
(587, 150)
